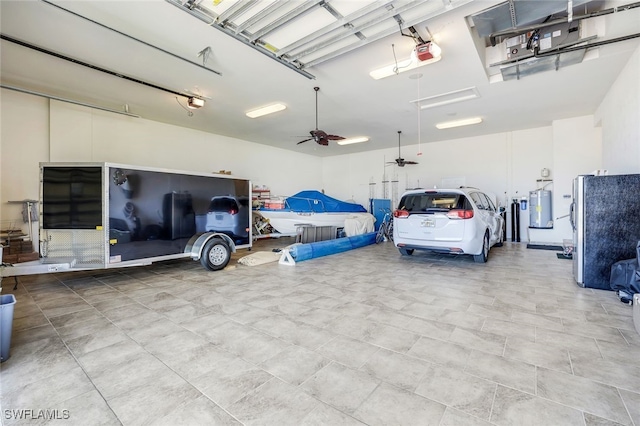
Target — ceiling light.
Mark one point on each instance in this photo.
(428, 53)
(447, 98)
(349, 141)
(269, 109)
(195, 103)
(458, 123)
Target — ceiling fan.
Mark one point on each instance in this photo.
(320, 136)
(400, 161)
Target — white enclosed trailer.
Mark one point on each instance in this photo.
(106, 215)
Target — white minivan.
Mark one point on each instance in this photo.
(229, 215)
(456, 221)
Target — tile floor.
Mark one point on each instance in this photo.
(363, 337)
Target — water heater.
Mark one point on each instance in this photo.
(540, 209)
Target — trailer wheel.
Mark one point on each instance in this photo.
(215, 254)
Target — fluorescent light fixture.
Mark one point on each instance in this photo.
(409, 64)
(349, 141)
(458, 123)
(447, 98)
(269, 109)
(195, 103)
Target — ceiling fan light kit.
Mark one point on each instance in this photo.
(459, 123)
(265, 110)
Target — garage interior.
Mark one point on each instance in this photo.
(362, 337)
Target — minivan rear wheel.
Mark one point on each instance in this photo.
(405, 251)
(482, 257)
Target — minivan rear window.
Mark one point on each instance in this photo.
(434, 202)
(223, 204)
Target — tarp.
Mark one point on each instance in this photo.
(316, 201)
(359, 224)
(301, 252)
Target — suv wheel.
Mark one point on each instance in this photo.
(482, 257)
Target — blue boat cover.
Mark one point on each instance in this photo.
(301, 252)
(317, 202)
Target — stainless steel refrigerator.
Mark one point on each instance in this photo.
(605, 215)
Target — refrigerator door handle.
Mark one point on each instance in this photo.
(572, 212)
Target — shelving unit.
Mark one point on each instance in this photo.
(259, 196)
(17, 245)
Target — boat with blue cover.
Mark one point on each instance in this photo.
(311, 208)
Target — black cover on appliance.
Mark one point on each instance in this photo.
(612, 225)
(625, 274)
(179, 218)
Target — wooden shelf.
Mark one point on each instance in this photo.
(261, 194)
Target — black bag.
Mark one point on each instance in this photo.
(625, 277)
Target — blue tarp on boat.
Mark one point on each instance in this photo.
(316, 201)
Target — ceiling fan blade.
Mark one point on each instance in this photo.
(410, 162)
(334, 137)
(306, 140)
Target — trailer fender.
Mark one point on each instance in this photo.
(196, 243)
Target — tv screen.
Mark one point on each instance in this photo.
(71, 197)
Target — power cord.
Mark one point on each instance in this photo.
(189, 112)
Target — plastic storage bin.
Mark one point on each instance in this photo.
(7, 301)
(312, 234)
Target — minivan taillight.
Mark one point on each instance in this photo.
(233, 211)
(400, 213)
(460, 214)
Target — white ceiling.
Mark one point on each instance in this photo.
(350, 102)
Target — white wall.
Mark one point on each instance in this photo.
(24, 142)
(83, 134)
(577, 149)
(619, 117)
